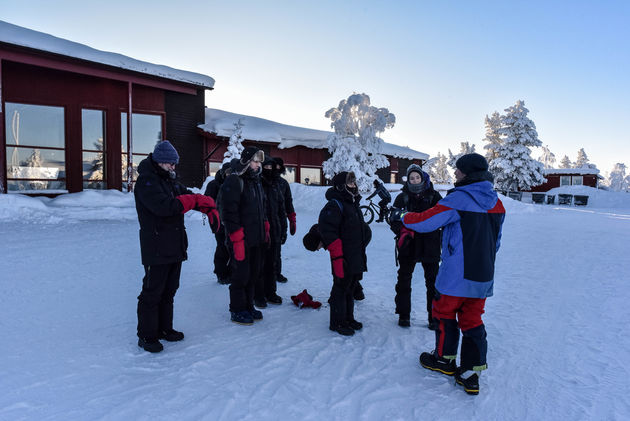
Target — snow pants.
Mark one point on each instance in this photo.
(468, 312)
(243, 277)
(342, 300)
(266, 283)
(403, 286)
(221, 255)
(155, 302)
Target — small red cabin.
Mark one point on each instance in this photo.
(557, 177)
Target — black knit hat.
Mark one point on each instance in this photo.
(280, 162)
(414, 167)
(251, 152)
(471, 163)
(312, 238)
(344, 178)
(165, 153)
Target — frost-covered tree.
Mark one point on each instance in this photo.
(464, 148)
(514, 168)
(493, 137)
(438, 169)
(565, 162)
(547, 158)
(618, 180)
(235, 145)
(582, 159)
(355, 145)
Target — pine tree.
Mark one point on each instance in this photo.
(565, 162)
(235, 145)
(514, 168)
(354, 145)
(617, 180)
(547, 158)
(438, 169)
(464, 149)
(493, 137)
(582, 159)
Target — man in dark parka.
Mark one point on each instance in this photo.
(161, 202)
(287, 213)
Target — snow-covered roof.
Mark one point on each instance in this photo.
(24, 37)
(222, 123)
(581, 171)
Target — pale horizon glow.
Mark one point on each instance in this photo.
(440, 67)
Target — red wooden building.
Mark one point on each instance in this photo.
(303, 150)
(557, 177)
(64, 123)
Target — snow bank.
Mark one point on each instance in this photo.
(597, 198)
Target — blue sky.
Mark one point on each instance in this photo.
(439, 66)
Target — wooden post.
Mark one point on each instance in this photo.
(129, 138)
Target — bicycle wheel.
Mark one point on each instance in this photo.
(368, 214)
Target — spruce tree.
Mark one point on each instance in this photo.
(582, 159)
(493, 137)
(565, 162)
(547, 158)
(235, 145)
(464, 149)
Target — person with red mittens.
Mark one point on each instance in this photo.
(161, 202)
(417, 195)
(247, 230)
(345, 235)
(287, 214)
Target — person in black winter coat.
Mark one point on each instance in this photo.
(161, 202)
(345, 235)
(221, 253)
(266, 286)
(417, 195)
(287, 214)
(243, 212)
(385, 197)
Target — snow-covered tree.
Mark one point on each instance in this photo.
(582, 159)
(547, 158)
(565, 162)
(464, 149)
(354, 145)
(235, 145)
(493, 137)
(514, 168)
(618, 180)
(438, 169)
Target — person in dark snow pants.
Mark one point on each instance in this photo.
(345, 235)
(472, 218)
(417, 195)
(243, 212)
(287, 214)
(161, 202)
(221, 252)
(385, 197)
(265, 290)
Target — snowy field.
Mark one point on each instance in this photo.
(71, 272)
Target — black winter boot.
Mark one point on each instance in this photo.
(171, 335)
(355, 325)
(223, 280)
(342, 329)
(260, 302)
(281, 278)
(150, 345)
(404, 321)
(431, 361)
(256, 314)
(274, 299)
(469, 379)
(242, 317)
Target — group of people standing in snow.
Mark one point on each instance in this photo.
(250, 209)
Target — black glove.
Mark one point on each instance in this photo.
(396, 215)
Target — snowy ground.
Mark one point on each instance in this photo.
(70, 267)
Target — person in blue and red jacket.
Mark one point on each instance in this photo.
(472, 217)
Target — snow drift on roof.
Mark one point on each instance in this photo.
(222, 123)
(17, 35)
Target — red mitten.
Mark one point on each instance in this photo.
(310, 302)
(188, 201)
(207, 205)
(405, 236)
(292, 224)
(336, 256)
(238, 244)
(300, 299)
(267, 236)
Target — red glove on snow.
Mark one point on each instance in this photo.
(336, 256)
(207, 205)
(267, 236)
(406, 235)
(304, 299)
(238, 244)
(292, 225)
(188, 201)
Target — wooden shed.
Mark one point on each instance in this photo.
(557, 177)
